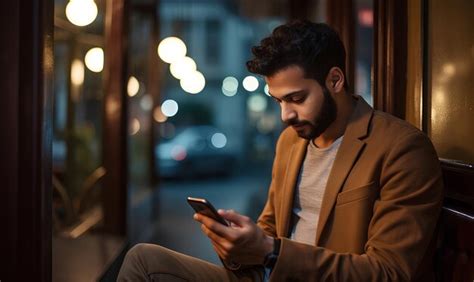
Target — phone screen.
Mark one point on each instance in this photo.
(204, 207)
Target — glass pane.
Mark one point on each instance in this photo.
(142, 58)
(79, 251)
(450, 82)
(77, 123)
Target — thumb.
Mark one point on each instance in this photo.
(234, 217)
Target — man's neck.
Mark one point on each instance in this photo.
(345, 103)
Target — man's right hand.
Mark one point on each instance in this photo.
(243, 242)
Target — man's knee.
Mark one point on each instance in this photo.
(137, 251)
(140, 261)
(151, 255)
(142, 252)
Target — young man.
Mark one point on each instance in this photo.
(355, 193)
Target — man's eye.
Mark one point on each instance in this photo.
(297, 99)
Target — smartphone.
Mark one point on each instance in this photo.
(204, 207)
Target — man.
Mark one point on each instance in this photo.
(355, 193)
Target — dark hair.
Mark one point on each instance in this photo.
(315, 47)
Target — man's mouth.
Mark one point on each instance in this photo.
(298, 126)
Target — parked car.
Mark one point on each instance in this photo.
(196, 150)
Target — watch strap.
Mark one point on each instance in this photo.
(271, 258)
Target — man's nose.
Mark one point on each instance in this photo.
(287, 113)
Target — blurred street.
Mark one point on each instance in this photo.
(244, 192)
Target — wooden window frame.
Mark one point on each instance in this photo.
(26, 123)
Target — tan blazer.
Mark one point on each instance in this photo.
(379, 210)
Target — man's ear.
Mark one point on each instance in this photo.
(335, 80)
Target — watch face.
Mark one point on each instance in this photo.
(233, 265)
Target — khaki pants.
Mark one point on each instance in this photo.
(147, 262)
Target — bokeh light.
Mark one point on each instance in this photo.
(146, 102)
(81, 12)
(133, 86)
(266, 89)
(218, 140)
(257, 103)
(169, 108)
(182, 67)
(77, 72)
(95, 59)
(193, 83)
(230, 85)
(178, 153)
(227, 93)
(250, 83)
(159, 116)
(171, 49)
(134, 126)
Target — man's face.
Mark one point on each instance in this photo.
(305, 105)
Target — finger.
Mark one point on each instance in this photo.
(220, 211)
(235, 217)
(222, 248)
(226, 247)
(214, 226)
(220, 252)
(212, 235)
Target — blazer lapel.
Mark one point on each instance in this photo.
(295, 160)
(346, 157)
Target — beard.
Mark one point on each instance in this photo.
(314, 128)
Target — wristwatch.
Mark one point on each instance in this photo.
(271, 258)
(233, 265)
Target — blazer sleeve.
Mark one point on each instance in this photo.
(402, 226)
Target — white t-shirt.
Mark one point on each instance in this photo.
(310, 189)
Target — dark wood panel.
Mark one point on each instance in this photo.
(115, 127)
(9, 81)
(27, 62)
(455, 254)
(341, 16)
(456, 246)
(459, 183)
(301, 9)
(390, 53)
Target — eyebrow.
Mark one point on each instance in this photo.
(289, 95)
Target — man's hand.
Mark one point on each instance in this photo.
(243, 242)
